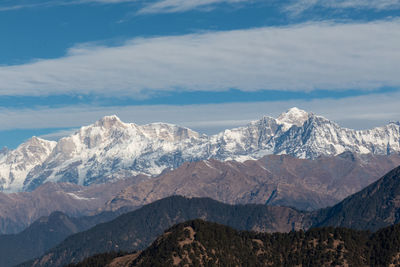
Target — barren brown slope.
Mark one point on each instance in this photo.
(18, 210)
(275, 180)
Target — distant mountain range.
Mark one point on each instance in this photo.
(110, 150)
(274, 180)
(370, 209)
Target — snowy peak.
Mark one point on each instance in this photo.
(294, 116)
(109, 122)
(34, 147)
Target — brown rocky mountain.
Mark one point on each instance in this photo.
(18, 210)
(275, 180)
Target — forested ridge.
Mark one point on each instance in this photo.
(201, 243)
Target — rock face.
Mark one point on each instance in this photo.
(274, 180)
(110, 150)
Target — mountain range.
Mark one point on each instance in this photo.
(278, 180)
(372, 208)
(137, 229)
(274, 180)
(110, 150)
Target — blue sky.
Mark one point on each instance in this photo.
(204, 64)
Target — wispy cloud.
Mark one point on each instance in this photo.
(294, 7)
(303, 57)
(156, 6)
(355, 112)
(175, 6)
(298, 7)
(16, 5)
(58, 134)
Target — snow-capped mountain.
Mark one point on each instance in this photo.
(110, 150)
(16, 164)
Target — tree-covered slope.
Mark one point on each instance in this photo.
(374, 207)
(201, 243)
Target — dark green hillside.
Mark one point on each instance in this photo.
(374, 207)
(98, 260)
(200, 243)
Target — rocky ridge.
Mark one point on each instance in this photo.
(278, 180)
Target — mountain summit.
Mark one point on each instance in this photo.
(110, 149)
(109, 122)
(294, 116)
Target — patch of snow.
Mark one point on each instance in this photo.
(79, 198)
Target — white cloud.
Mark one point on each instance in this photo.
(297, 58)
(174, 6)
(58, 134)
(356, 112)
(158, 6)
(37, 4)
(298, 7)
